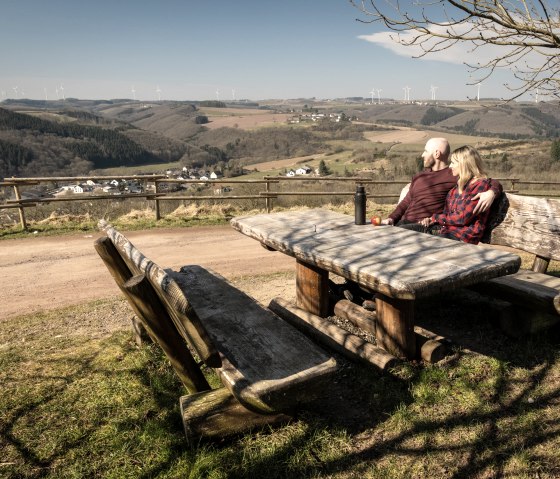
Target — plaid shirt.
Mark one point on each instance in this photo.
(457, 220)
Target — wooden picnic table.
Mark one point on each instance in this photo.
(399, 264)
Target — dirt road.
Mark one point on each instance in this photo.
(43, 273)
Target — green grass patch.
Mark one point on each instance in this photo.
(79, 399)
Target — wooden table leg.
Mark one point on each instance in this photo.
(312, 291)
(395, 326)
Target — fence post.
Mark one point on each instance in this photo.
(158, 216)
(268, 199)
(20, 208)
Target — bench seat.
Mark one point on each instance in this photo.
(266, 363)
(526, 288)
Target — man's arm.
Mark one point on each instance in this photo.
(486, 199)
(400, 210)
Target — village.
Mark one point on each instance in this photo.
(137, 186)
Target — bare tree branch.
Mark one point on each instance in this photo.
(527, 32)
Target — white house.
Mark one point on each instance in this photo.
(214, 175)
(304, 170)
(291, 173)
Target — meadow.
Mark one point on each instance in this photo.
(80, 399)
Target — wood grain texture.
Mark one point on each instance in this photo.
(173, 298)
(312, 288)
(530, 224)
(394, 261)
(525, 288)
(161, 328)
(332, 336)
(268, 365)
(357, 315)
(217, 414)
(395, 326)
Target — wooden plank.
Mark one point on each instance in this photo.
(217, 414)
(397, 262)
(395, 326)
(312, 291)
(160, 327)
(268, 365)
(173, 298)
(357, 315)
(531, 224)
(332, 336)
(525, 288)
(149, 310)
(430, 347)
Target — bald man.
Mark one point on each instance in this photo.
(429, 188)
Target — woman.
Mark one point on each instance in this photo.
(457, 220)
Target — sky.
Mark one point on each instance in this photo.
(216, 49)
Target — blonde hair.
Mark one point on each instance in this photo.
(469, 164)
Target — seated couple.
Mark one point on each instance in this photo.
(465, 212)
(451, 199)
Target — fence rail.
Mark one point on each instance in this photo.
(156, 185)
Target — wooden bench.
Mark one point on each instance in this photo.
(267, 366)
(532, 225)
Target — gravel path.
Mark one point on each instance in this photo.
(42, 273)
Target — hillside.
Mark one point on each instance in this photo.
(74, 137)
(500, 120)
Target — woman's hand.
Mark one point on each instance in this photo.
(426, 222)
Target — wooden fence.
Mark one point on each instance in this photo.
(154, 187)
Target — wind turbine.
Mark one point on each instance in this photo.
(133, 93)
(46, 96)
(158, 91)
(15, 90)
(56, 90)
(217, 94)
(478, 91)
(406, 93)
(62, 90)
(233, 94)
(433, 90)
(372, 92)
(378, 97)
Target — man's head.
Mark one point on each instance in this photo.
(436, 153)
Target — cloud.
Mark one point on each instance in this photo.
(458, 53)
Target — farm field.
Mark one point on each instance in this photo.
(244, 119)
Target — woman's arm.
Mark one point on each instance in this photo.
(464, 211)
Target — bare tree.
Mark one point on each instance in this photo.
(527, 32)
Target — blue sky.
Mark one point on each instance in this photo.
(204, 49)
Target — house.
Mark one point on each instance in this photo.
(291, 173)
(214, 175)
(304, 170)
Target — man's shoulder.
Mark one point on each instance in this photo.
(445, 172)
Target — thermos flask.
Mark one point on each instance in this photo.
(360, 206)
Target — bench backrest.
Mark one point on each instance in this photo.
(172, 297)
(527, 223)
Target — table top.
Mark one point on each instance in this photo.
(397, 262)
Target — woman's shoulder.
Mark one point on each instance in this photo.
(479, 184)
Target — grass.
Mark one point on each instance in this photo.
(79, 399)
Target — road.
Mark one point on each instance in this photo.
(42, 273)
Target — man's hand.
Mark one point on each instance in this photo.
(388, 221)
(485, 200)
(426, 222)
